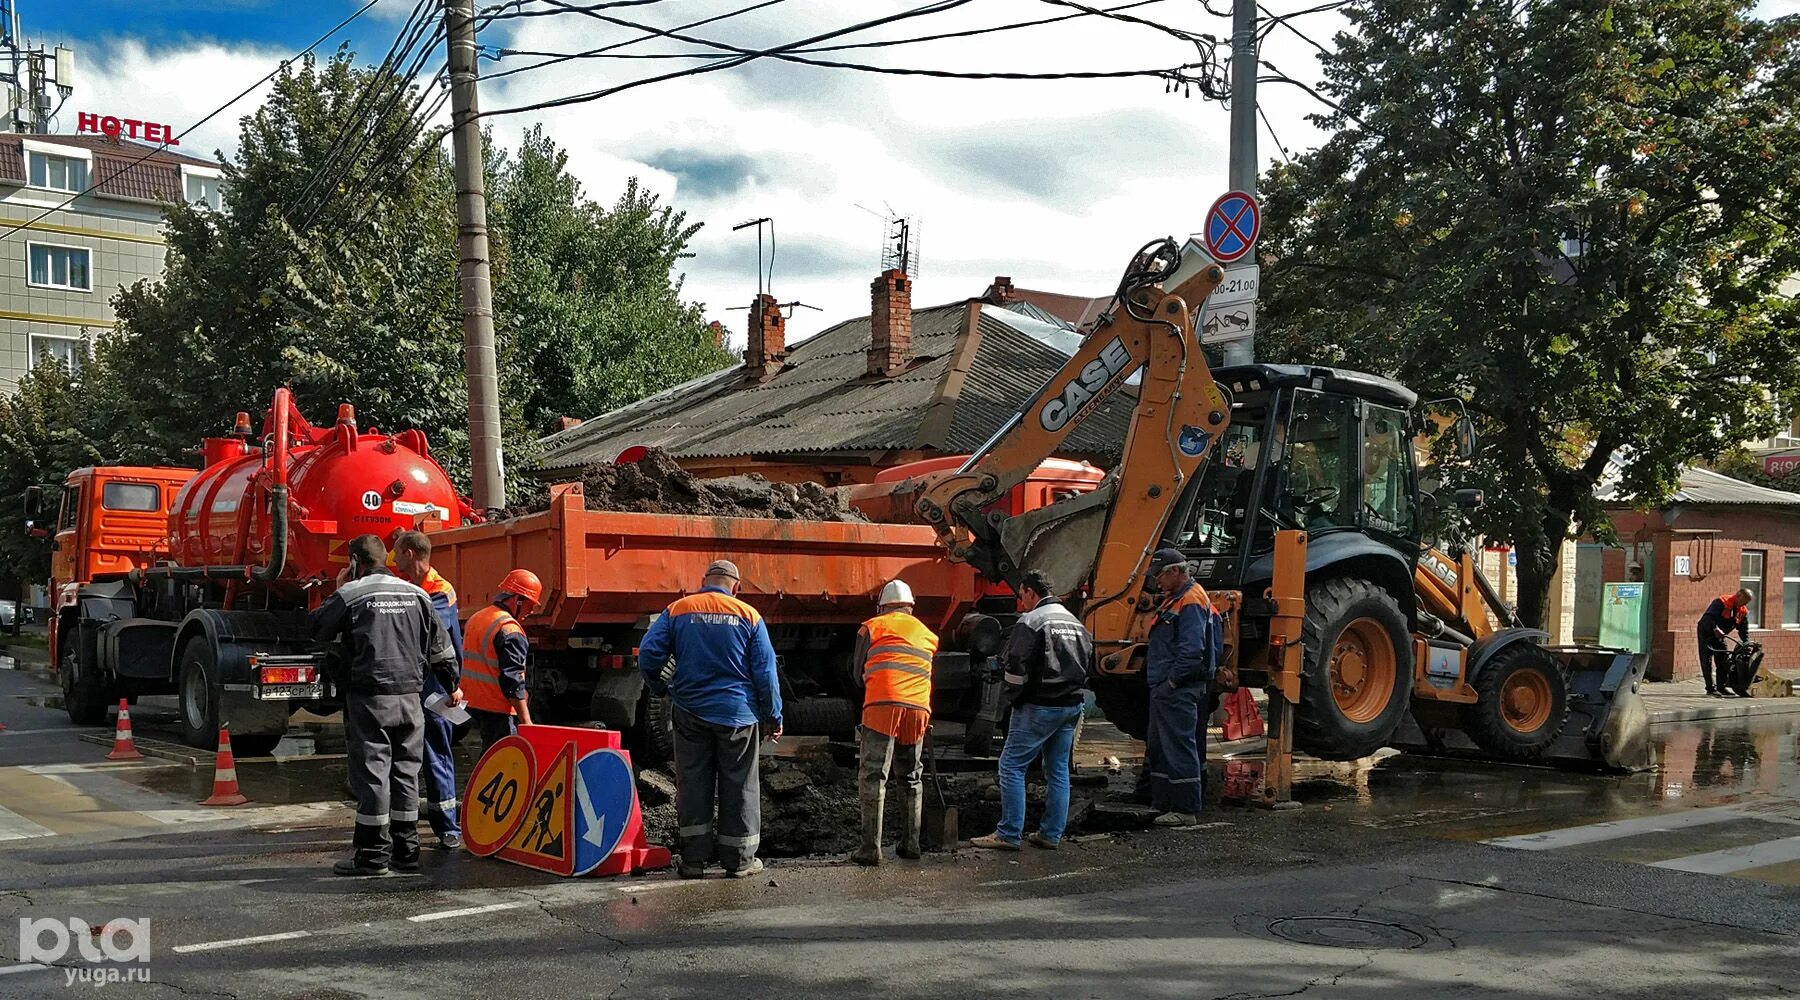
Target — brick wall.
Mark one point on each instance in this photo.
(1713, 542)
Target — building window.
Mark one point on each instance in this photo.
(205, 189)
(1790, 590)
(53, 266)
(64, 349)
(1750, 577)
(58, 173)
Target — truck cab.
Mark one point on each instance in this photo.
(108, 521)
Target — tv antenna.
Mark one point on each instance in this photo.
(759, 223)
(900, 243)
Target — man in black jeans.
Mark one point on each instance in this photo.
(1727, 612)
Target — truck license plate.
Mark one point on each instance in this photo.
(282, 692)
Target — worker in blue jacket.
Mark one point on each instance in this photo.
(412, 563)
(710, 653)
(1179, 664)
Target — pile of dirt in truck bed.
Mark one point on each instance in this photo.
(656, 484)
(810, 806)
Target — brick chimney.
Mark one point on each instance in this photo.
(1001, 291)
(890, 322)
(567, 423)
(768, 339)
(718, 333)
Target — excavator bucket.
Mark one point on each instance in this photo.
(1608, 728)
(1608, 725)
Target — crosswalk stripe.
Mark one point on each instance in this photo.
(1595, 833)
(1734, 859)
(16, 827)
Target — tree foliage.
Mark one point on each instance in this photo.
(1576, 215)
(333, 269)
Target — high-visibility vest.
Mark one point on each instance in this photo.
(481, 659)
(1733, 610)
(434, 583)
(898, 670)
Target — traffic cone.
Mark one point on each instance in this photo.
(123, 747)
(225, 786)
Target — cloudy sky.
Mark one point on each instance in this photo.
(1053, 183)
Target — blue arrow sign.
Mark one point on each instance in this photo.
(604, 794)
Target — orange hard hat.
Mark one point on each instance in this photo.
(524, 583)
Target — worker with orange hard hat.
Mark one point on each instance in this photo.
(495, 652)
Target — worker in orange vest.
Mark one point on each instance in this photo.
(1726, 613)
(893, 657)
(495, 652)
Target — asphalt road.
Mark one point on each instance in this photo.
(1381, 886)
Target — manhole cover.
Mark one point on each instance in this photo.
(1345, 932)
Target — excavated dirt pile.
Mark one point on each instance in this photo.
(656, 484)
(810, 806)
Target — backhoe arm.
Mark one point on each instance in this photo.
(1102, 539)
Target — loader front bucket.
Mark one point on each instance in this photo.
(1608, 726)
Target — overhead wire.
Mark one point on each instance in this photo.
(214, 113)
(614, 46)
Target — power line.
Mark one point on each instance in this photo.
(787, 54)
(592, 53)
(214, 113)
(1264, 115)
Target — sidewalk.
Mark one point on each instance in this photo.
(1686, 701)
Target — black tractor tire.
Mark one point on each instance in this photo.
(197, 693)
(833, 717)
(1125, 701)
(1358, 676)
(84, 690)
(1523, 704)
(653, 742)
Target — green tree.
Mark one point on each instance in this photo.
(49, 425)
(1576, 215)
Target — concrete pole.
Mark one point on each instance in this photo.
(488, 467)
(1243, 134)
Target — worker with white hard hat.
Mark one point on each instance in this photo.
(893, 657)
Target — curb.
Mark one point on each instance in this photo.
(1738, 709)
(24, 654)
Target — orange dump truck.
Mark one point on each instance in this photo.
(607, 574)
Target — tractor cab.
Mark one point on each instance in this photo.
(1325, 450)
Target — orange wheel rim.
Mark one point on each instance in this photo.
(1525, 701)
(1363, 669)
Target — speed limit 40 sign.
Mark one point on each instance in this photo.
(499, 795)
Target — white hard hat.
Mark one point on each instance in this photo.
(896, 592)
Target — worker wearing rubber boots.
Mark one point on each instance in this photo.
(1178, 666)
(893, 658)
(1045, 671)
(394, 639)
(495, 652)
(1726, 613)
(726, 698)
(412, 563)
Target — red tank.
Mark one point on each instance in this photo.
(325, 485)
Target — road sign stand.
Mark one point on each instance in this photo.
(581, 782)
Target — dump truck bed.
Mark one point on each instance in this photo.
(619, 568)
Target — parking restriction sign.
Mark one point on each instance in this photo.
(1232, 225)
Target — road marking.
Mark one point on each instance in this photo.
(7, 970)
(182, 949)
(652, 886)
(1733, 859)
(57, 770)
(467, 911)
(1595, 833)
(16, 827)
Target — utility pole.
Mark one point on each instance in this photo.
(488, 466)
(1243, 140)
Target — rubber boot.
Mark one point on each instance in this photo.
(912, 805)
(871, 788)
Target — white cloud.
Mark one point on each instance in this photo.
(176, 87)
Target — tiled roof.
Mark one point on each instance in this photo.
(116, 170)
(824, 400)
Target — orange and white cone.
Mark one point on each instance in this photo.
(225, 787)
(123, 747)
